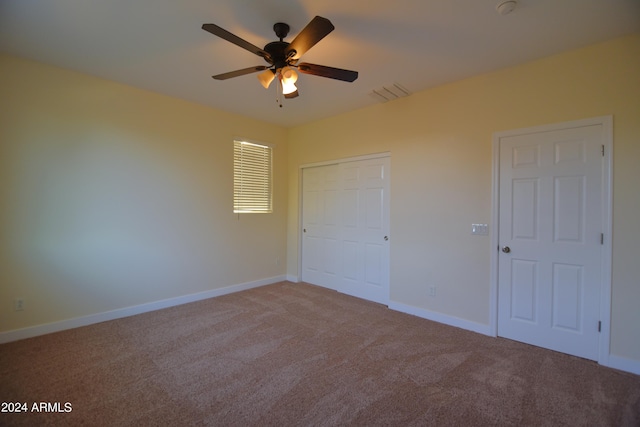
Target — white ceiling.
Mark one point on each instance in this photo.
(159, 45)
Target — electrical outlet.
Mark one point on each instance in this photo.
(18, 304)
(432, 291)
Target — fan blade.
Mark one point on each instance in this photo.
(315, 31)
(237, 73)
(330, 72)
(222, 33)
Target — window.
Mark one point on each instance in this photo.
(251, 177)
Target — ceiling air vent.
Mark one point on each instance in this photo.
(389, 92)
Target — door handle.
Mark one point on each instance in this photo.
(506, 249)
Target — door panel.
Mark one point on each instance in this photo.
(567, 295)
(523, 289)
(374, 258)
(350, 204)
(525, 209)
(550, 216)
(350, 260)
(568, 215)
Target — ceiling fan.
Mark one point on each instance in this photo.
(283, 57)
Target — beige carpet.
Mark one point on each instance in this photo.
(300, 355)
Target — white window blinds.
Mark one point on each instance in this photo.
(251, 177)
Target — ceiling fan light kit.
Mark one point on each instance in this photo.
(283, 57)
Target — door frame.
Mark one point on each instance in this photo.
(326, 163)
(607, 226)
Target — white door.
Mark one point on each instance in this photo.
(550, 225)
(345, 221)
(320, 238)
(365, 229)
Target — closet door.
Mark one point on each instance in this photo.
(365, 229)
(321, 228)
(345, 217)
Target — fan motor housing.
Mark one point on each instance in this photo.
(276, 50)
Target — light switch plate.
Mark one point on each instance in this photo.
(480, 229)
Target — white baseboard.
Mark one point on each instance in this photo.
(623, 364)
(47, 328)
(441, 318)
(292, 278)
(611, 361)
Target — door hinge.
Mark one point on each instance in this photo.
(603, 151)
(602, 238)
(599, 326)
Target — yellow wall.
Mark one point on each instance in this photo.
(112, 197)
(441, 155)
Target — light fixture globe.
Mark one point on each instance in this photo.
(266, 77)
(288, 78)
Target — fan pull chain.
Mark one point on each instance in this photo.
(278, 91)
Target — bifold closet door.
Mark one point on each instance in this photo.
(345, 221)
